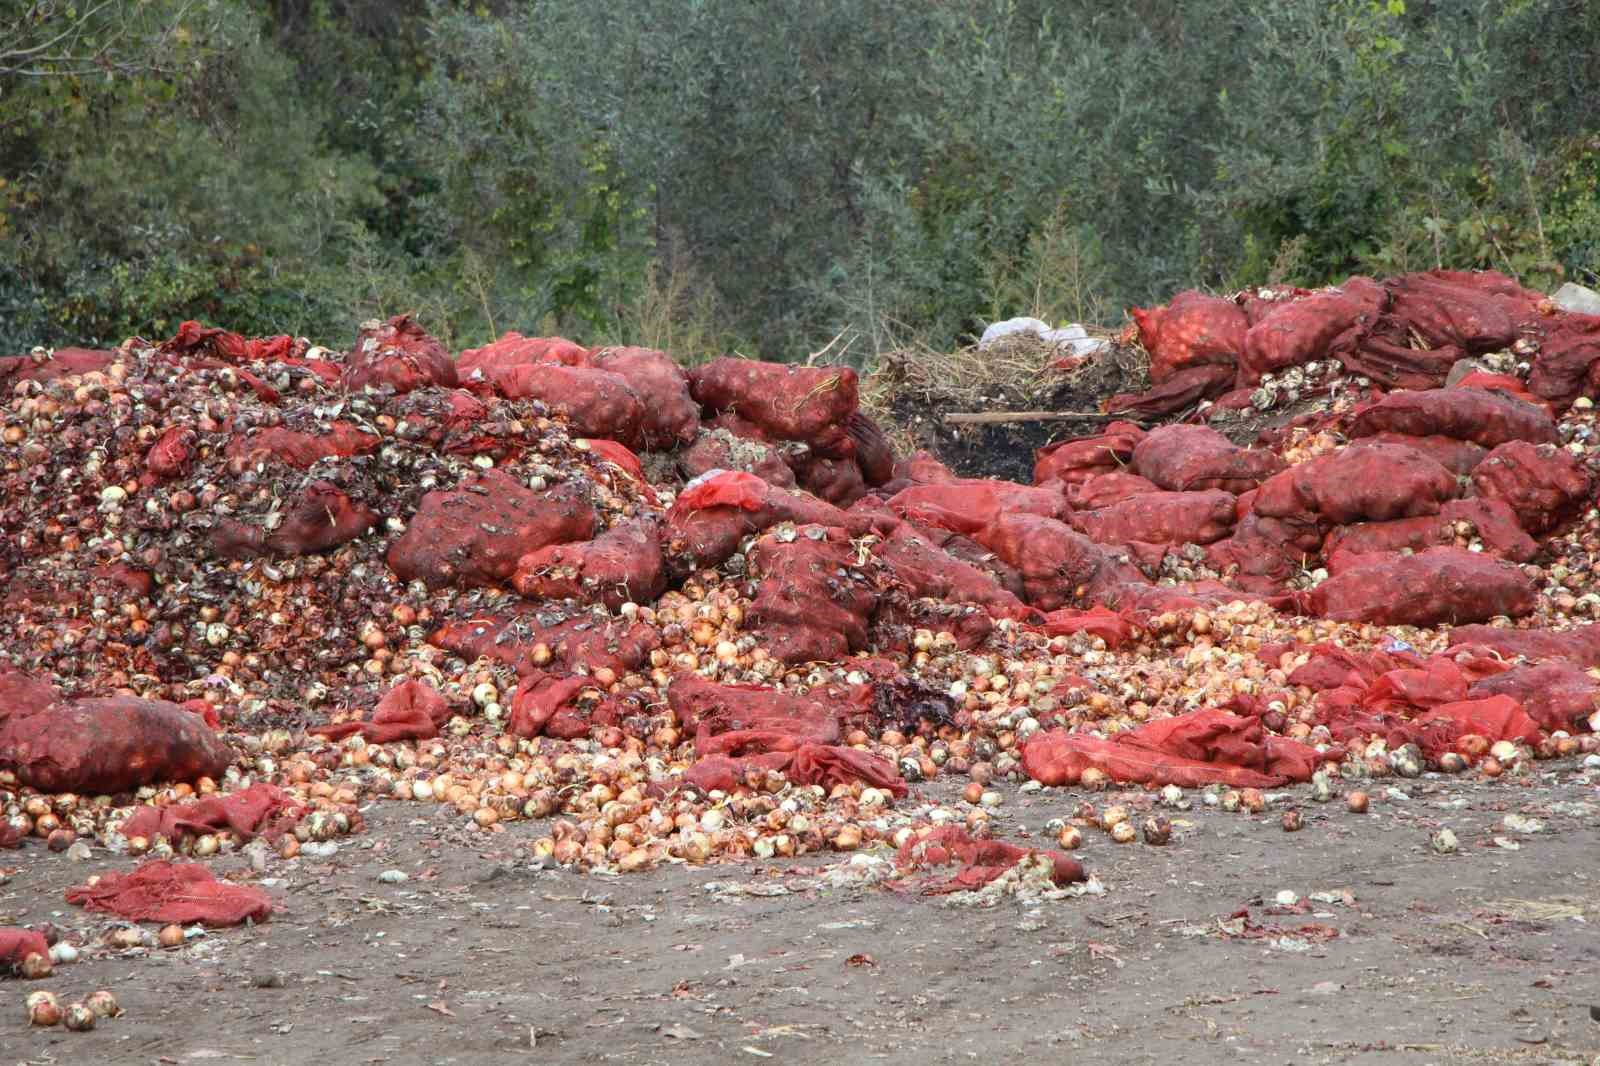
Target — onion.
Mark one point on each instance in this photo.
(79, 1018)
(1356, 802)
(171, 936)
(36, 966)
(44, 1009)
(103, 1003)
(1157, 830)
(1293, 820)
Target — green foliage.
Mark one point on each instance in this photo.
(768, 176)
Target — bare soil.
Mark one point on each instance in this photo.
(1488, 954)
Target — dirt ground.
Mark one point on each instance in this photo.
(1395, 954)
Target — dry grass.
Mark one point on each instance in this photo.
(1014, 375)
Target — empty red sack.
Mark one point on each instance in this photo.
(260, 810)
(172, 892)
(409, 711)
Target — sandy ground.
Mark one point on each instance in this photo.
(1396, 954)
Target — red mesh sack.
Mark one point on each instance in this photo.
(723, 773)
(1486, 418)
(1193, 330)
(336, 440)
(1183, 389)
(809, 404)
(106, 746)
(709, 517)
(539, 698)
(922, 468)
(970, 504)
(706, 709)
(1494, 718)
(1435, 587)
(618, 646)
(1365, 483)
(1447, 307)
(595, 403)
(1263, 554)
(1115, 628)
(193, 339)
(1193, 458)
(477, 367)
(260, 810)
(812, 601)
(1568, 363)
(1160, 518)
(398, 353)
(1060, 567)
(1319, 326)
(1394, 364)
(1076, 461)
(172, 892)
(609, 451)
(474, 535)
(829, 765)
(17, 944)
(1556, 695)
(318, 517)
(927, 570)
(970, 551)
(874, 454)
(1496, 524)
(1508, 384)
(171, 454)
(721, 451)
(807, 764)
(22, 695)
(981, 860)
(1412, 689)
(1457, 456)
(1102, 490)
(1580, 644)
(1492, 520)
(409, 711)
(1544, 485)
(837, 481)
(620, 565)
(671, 416)
(1060, 758)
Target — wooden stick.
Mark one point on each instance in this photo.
(985, 418)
